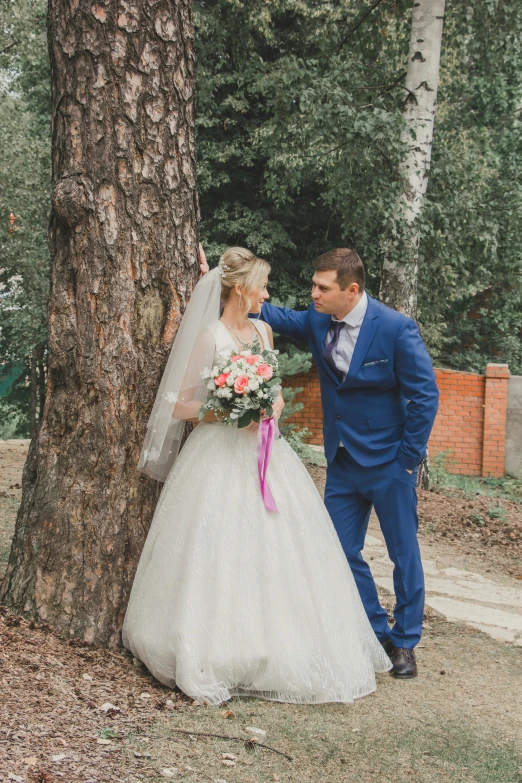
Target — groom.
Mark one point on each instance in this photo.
(379, 399)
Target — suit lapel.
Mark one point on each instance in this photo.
(369, 326)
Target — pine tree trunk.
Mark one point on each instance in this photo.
(400, 270)
(41, 381)
(34, 394)
(124, 261)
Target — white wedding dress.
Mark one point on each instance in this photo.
(232, 600)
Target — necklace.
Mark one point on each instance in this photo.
(243, 343)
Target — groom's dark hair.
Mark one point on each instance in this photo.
(346, 263)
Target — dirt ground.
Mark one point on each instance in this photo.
(75, 713)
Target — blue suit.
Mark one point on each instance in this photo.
(382, 413)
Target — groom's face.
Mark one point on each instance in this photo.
(329, 298)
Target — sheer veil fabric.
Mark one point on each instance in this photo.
(230, 599)
(182, 390)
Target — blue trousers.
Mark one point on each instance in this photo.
(351, 491)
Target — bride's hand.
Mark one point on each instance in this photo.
(278, 407)
(203, 263)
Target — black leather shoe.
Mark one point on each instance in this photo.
(404, 664)
(388, 647)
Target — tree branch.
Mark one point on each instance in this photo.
(6, 49)
(246, 741)
(359, 22)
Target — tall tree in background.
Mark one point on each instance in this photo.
(400, 271)
(124, 260)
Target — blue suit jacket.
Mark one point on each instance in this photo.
(385, 407)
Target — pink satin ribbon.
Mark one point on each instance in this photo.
(265, 440)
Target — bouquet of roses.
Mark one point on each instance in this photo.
(241, 385)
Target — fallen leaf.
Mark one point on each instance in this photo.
(31, 761)
(228, 763)
(228, 714)
(168, 772)
(109, 708)
(229, 756)
(58, 757)
(12, 776)
(145, 695)
(103, 741)
(86, 676)
(259, 734)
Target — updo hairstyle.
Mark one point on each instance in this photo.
(241, 267)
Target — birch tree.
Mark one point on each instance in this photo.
(123, 263)
(399, 277)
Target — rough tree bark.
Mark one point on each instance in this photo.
(400, 270)
(42, 383)
(34, 393)
(124, 260)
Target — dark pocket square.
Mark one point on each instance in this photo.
(378, 361)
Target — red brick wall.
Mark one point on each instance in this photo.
(470, 423)
(311, 415)
(459, 424)
(495, 415)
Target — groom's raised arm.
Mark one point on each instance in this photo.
(283, 320)
(417, 380)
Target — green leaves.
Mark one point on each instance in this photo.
(299, 144)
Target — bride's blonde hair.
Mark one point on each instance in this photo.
(241, 267)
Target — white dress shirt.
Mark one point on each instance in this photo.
(343, 351)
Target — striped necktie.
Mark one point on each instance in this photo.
(329, 348)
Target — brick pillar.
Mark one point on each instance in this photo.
(495, 412)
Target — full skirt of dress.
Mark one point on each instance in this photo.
(230, 599)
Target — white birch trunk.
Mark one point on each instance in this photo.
(399, 278)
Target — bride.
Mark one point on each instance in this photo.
(230, 599)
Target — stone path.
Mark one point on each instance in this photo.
(458, 595)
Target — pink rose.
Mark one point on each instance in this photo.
(220, 380)
(251, 359)
(240, 384)
(236, 358)
(265, 371)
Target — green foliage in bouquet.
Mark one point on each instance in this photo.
(239, 388)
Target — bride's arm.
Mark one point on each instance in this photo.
(193, 392)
